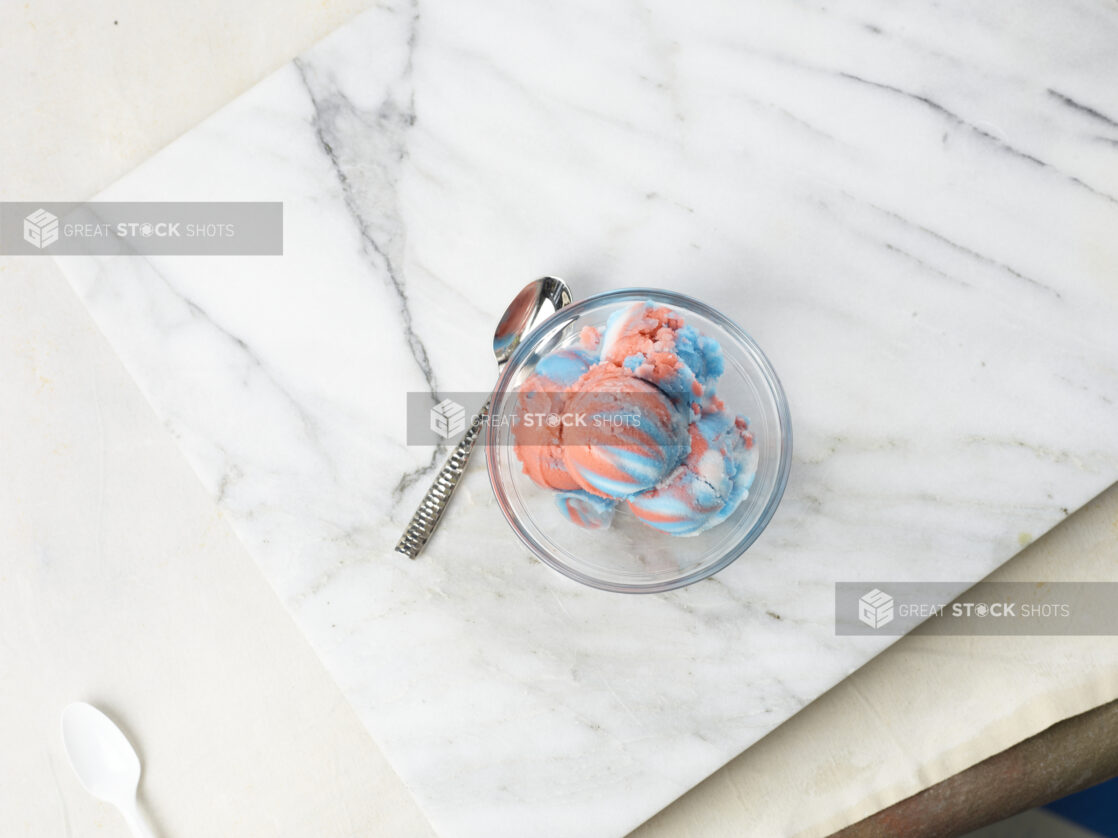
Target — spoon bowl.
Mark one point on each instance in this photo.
(535, 303)
(105, 761)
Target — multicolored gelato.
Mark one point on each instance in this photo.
(630, 417)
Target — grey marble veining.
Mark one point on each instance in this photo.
(910, 206)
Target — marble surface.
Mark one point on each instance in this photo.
(905, 206)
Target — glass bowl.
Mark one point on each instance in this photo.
(629, 556)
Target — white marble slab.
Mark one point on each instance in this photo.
(912, 208)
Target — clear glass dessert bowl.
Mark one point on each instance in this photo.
(630, 555)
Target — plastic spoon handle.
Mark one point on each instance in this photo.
(426, 518)
(137, 822)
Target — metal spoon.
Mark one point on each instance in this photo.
(105, 762)
(535, 303)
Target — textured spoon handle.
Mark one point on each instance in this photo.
(434, 503)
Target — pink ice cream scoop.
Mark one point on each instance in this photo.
(629, 420)
(621, 434)
(655, 345)
(710, 483)
(542, 396)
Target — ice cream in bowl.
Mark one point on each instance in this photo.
(639, 441)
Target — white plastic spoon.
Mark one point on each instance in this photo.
(105, 762)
